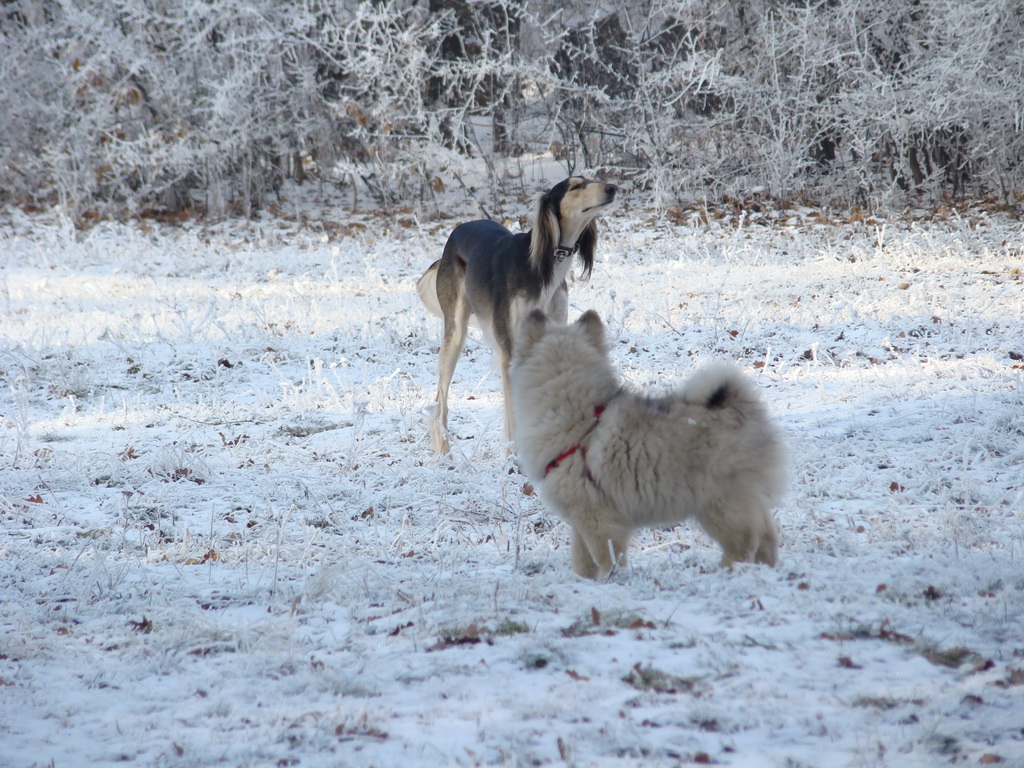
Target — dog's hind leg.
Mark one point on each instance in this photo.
(456, 323)
(456, 312)
(768, 547)
(745, 535)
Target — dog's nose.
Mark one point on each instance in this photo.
(610, 190)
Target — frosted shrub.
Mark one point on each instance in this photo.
(118, 107)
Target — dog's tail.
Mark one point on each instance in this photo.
(761, 452)
(426, 288)
(720, 385)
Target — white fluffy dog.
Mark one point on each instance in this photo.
(609, 460)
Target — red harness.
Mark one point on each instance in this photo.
(555, 462)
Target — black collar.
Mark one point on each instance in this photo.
(562, 253)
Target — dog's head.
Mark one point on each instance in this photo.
(566, 215)
(536, 327)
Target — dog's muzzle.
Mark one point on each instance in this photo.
(610, 191)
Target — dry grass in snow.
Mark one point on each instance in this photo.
(224, 539)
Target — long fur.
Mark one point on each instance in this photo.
(609, 460)
(489, 273)
(546, 234)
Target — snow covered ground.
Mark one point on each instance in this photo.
(224, 539)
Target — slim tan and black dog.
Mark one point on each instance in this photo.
(499, 277)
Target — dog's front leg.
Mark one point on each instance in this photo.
(506, 388)
(597, 551)
(582, 563)
(558, 307)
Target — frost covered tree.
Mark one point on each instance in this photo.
(123, 106)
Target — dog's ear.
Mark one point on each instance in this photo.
(545, 236)
(531, 330)
(588, 244)
(592, 326)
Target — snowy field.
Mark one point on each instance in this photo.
(224, 539)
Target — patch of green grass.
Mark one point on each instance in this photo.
(477, 632)
(881, 703)
(947, 657)
(511, 627)
(608, 624)
(647, 678)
